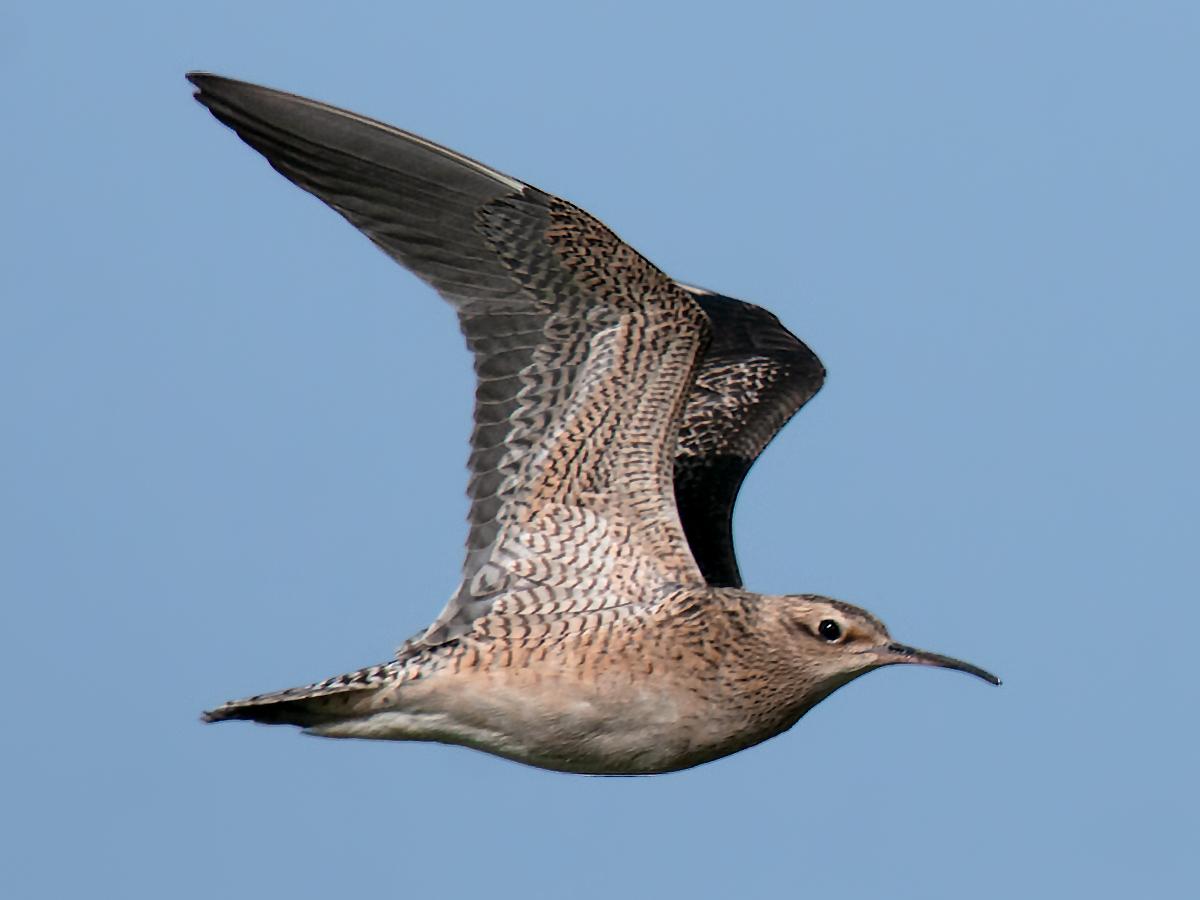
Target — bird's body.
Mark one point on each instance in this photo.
(601, 625)
(703, 674)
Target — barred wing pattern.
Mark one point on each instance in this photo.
(754, 377)
(583, 350)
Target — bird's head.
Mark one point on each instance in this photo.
(832, 643)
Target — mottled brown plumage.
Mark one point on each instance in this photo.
(600, 625)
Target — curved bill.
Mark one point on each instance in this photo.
(898, 653)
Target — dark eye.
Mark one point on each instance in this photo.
(829, 629)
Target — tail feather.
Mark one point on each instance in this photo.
(316, 704)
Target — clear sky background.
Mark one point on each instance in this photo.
(234, 435)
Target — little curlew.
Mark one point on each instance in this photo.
(601, 625)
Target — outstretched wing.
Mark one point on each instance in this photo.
(754, 377)
(583, 350)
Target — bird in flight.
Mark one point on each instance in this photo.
(601, 625)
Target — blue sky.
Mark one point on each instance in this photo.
(235, 435)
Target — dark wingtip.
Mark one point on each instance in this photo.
(210, 87)
(198, 79)
(228, 711)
